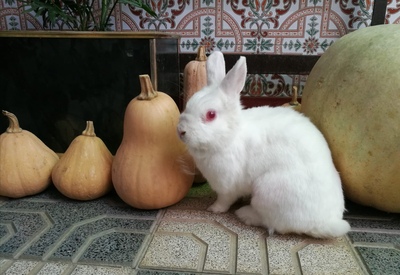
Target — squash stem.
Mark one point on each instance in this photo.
(201, 54)
(89, 131)
(294, 101)
(13, 123)
(147, 90)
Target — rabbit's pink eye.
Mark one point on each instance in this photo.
(210, 115)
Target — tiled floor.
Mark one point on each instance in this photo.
(49, 234)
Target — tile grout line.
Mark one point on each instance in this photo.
(70, 268)
(48, 224)
(148, 239)
(233, 252)
(83, 248)
(203, 253)
(376, 230)
(5, 266)
(296, 257)
(265, 265)
(375, 245)
(11, 232)
(36, 269)
(69, 231)
(356, 255)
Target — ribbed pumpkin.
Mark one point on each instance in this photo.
(25, 161)
(84, 170)
(152, 168)
(194, 79)
(352, 95)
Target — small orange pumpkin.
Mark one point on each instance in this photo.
(25, 161)
(84, 170)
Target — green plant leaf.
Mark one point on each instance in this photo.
(139, 4)
(78, 15)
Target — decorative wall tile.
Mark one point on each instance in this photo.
(393, 12)
(306, 27)
(288, 27)
(273, 85)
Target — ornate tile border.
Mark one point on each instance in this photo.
(270, 27)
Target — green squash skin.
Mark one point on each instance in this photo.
(353, 96)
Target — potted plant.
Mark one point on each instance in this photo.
(78, 15)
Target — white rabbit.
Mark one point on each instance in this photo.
(276, 155)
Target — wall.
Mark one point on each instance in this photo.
(288, 27)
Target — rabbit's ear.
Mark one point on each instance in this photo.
(235, 79)
(215, 68)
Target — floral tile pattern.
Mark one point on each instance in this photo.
(273, 85)
(272, 27)
(288, 27)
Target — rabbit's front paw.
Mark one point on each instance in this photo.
(217, 207)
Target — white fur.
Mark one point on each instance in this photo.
(276, 155)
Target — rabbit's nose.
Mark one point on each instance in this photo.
(182, 133)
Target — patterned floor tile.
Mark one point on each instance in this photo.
(332, 257)
(114, 248)
(52, 227)
(84, 235)
(371, 237)
(281, 257)
(100, 270)
(180, 251)
(231, 246)
(4, 265)
(240, 248)
(381, 260)
(375, 237)
(163, 272)
(21, 268)
(53, 269)
(108, 237)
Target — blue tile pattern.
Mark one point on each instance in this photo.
(114, 248)
(80, 235)
(381, 260)
(50, 226)
(375, 236)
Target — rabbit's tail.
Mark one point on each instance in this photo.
(331, 229)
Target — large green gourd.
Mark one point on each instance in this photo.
(353, 96)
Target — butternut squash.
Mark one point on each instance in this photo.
(194, 79)
(195, 75)
(152, 168)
